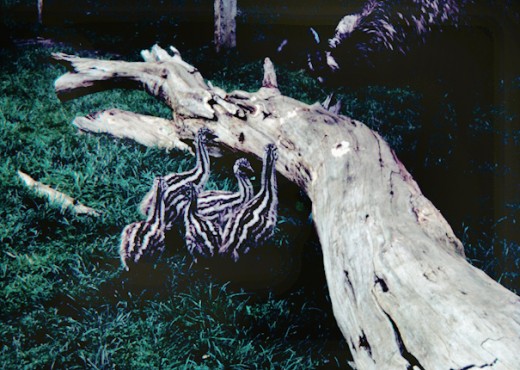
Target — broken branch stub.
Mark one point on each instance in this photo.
(402, 292)
(269, 75)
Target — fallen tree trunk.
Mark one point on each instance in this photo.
(402, 292)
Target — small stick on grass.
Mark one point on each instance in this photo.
(56, 197)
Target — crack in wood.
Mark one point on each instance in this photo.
(348, 279)
(402, 170)
(249, 108)
(407, 355)
(473, 366)
(304, 174)
(382, 283)
(363, 343)
(381, 162)
(427, 277)
(349, 283)
(416, 211)
(392, 173)
(288, 144)
(488, 339)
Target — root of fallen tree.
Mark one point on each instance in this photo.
(402, 292)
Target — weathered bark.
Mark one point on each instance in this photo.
(402, 292)
(225, 24)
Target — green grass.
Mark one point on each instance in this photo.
(65, 301)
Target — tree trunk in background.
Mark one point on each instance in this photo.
(225, 24)
(40, 12)
(402, 292)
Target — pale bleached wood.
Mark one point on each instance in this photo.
(146, 130)
(402, 292)
(270, 80)
(57, 197)
(331, 104)
(182, 89)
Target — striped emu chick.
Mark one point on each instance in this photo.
(202, 234)
(176, 202)
(254, 222)
(218, 206)
(145, 239)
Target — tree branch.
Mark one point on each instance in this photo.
(400, 287)
(146, 130)
(57, 197)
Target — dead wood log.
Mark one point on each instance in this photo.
(57, 197)
(402, 292)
